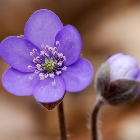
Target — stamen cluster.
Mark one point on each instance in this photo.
(49, 62)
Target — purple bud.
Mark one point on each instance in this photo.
(117, 80)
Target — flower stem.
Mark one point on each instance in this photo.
(94, 118)
(62, 126)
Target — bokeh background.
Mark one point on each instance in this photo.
(106, 27)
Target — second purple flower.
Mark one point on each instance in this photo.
(118, 79)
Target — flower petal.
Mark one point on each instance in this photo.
(113, 57)
(124, 67)
(70, 44)
(42, 27)
(138, 77)
(16, 52)
(18, 83)
(46, 93)
(78, 76)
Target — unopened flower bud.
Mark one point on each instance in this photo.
(117, 80)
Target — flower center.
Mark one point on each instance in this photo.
(49, 65)
(49, 62)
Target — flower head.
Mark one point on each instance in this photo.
(45, 61)
(118, 79)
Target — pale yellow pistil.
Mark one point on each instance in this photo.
(49, 65)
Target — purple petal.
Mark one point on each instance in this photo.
(113, 57)
(70, 44)
(78, 76)
(42, 27)
(16, 52)
(124, 67)
(18, 83)
(138, 76)
(46, 93)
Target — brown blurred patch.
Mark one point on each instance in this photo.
(106, 27)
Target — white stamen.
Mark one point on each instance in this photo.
(57, 43)
(42, 46)
(54, 52)
(51, 75)
(46, 47)
(50, 48)
(36, 71)
(46, 55)
(42, 53)
(39, 67)
(64, 68)
(64, 57)
(54, 64)
(35, 61)
(55, 49)
(41, 76)
(29, 67)
(60, 55)
(31, 53)
(59, 63)
(38, 57)
(31, 77)
(58, 72)
(34, 50)
(46, 75)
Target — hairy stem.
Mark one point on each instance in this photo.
(94, 119)
(62, 126)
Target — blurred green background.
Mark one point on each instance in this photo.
(106, 27)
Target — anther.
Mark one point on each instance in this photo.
(51, 75)
(64, 57)
(29, 67)
(58, 72)
(46, 75)
(46, 47)
(31, 77)
(42, 53)
(35, 60)
(36, 71)
(34, 50)
(57, 43)
(39, 67)
(31, 53)
(41, 76)
(50, 48)
(60, 55)
(54, 52)
(46, 55)
(59, 63)
(42, 46)
(38, 57)
(54, 64)
(64, 68)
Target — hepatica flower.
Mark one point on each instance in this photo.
(45, 61)
(117, 80)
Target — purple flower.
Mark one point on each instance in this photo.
(45, 61)
(117, 80)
